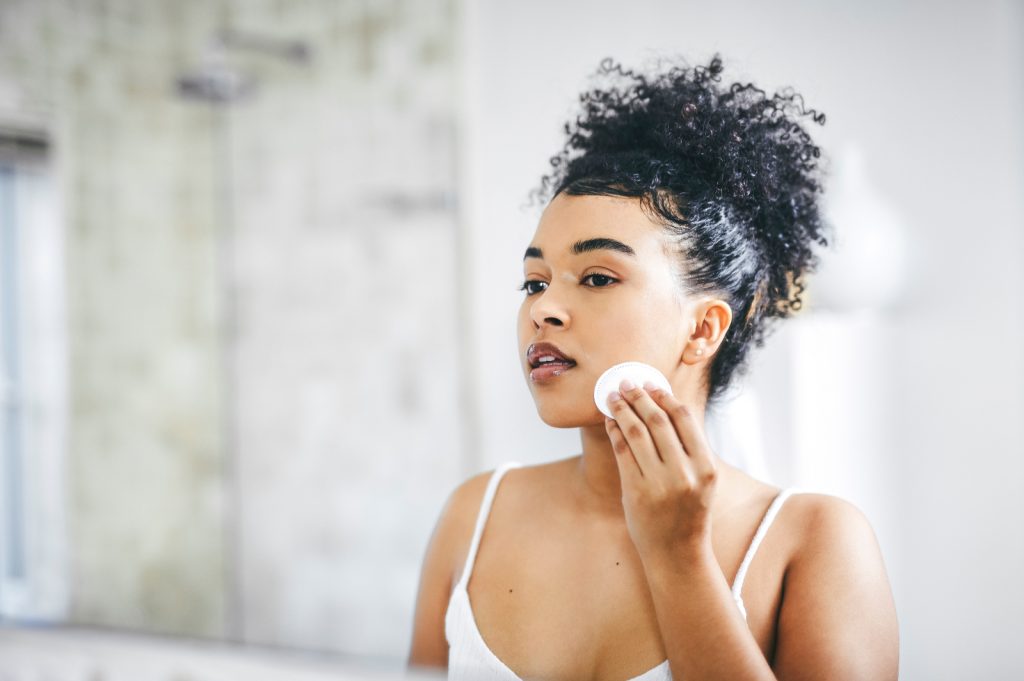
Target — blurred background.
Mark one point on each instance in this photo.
(258, 289)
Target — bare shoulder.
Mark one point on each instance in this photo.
(825, 523)
(464, 501)
(446, 550)
(814, 514)
(523, 488)
(836, 596)
(461, 511)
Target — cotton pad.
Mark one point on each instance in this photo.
(638, 372)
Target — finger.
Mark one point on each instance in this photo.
(629, 469)
(635, 431)
(660, 426)
(689, 431)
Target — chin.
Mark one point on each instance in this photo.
(566, 405)
(561, 416)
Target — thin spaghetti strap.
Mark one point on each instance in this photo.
(481, 519)
(766, 522)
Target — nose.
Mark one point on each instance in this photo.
(546, 309)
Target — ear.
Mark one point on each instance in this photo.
(707, 330)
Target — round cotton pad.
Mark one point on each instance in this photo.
(638, 372)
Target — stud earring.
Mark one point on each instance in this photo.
(700, 351)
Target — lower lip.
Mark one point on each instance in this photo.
(547, 373)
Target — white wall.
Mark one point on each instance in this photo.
(930, 92)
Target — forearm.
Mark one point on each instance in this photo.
(706, 637)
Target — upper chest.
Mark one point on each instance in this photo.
(555, 595)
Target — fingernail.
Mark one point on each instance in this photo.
(614, 397)
(650, 387)
(626, 384)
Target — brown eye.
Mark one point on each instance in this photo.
(600, 281)
(599, 277)
(526, 286)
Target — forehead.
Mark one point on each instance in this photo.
(568, 219)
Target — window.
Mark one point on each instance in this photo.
(33, 557)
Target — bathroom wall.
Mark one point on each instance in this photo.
(291, 317)
(134, 167)
(264, 329)
(347, 323)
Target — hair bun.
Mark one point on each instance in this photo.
(732, 171)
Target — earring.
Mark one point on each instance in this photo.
(700, 351)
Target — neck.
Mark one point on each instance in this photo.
(597, 484)
(597, 480)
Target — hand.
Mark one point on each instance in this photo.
(667, 471)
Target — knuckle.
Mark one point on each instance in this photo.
(634, 430)
(685, 478)
(681, 411)
(658, 418)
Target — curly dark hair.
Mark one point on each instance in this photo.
(730, 172)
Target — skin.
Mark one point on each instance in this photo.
(604, 564)
(633, 312)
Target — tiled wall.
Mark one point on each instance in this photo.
(264, 329)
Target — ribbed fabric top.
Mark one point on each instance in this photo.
(469, 657)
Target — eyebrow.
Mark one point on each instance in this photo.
(586, 246)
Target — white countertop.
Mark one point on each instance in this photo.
(65, 653)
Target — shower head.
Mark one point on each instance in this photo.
(216, 82)
(215, 85)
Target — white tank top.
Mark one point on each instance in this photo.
(469, 658)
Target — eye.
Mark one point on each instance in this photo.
(526, 286)
(597, 277)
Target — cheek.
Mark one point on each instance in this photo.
(627, 321)
(640, 333)
(616, 336)
(524, 315)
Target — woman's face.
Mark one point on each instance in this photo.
(598, 305)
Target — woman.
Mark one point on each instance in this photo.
(682, 222)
